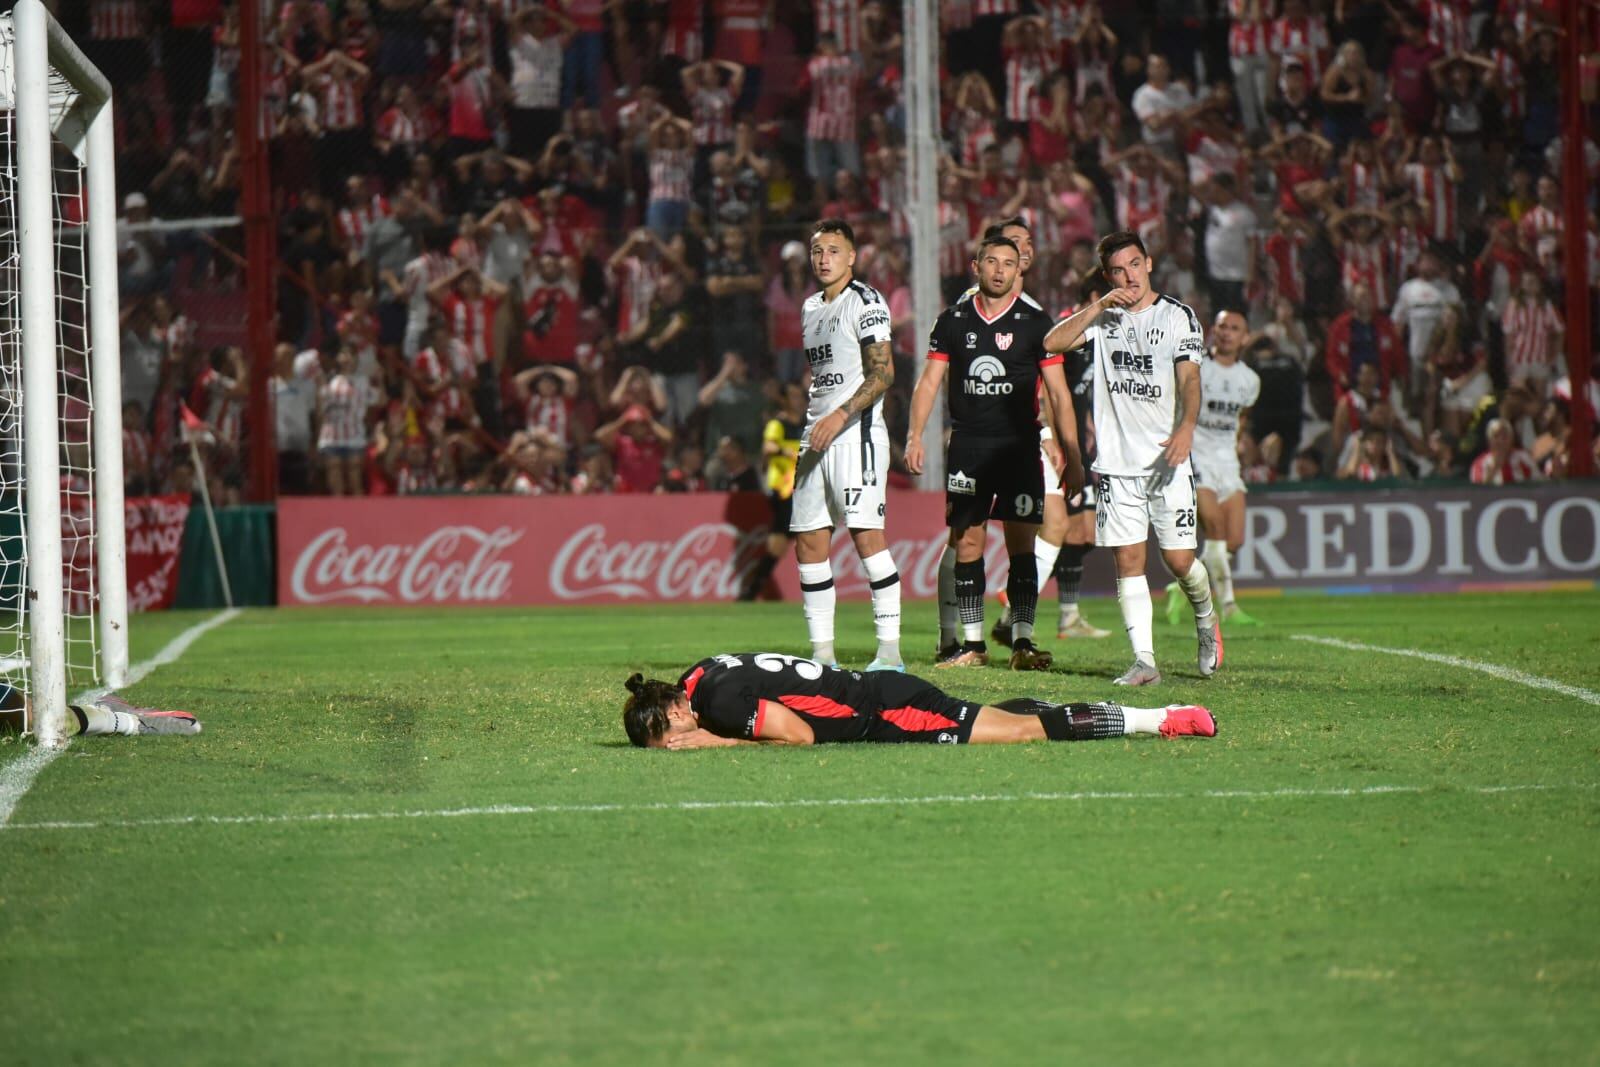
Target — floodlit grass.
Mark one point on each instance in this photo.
(1458, 921)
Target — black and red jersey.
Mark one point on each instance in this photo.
(995, 366)
(726, 692)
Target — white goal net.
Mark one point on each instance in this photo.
(62, 585)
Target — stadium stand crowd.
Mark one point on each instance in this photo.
(559, 248)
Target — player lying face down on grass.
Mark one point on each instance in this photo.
(750, 698)
(109, 714)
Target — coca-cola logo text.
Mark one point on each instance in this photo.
(456, 564)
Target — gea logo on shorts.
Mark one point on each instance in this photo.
(981, 377)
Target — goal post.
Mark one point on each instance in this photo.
(60, 186)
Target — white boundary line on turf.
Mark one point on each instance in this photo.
(1507, 674)
(17, 777)
(768, 805)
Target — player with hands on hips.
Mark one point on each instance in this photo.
(1147, 349)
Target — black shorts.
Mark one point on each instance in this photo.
(910, 709)
(989, 479)
(782, 509)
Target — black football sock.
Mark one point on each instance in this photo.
(1022, 587)
(1081, 722)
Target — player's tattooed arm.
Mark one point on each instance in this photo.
(877, 373)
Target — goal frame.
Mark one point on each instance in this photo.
(41, 45)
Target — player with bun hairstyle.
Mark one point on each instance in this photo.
(775, 699)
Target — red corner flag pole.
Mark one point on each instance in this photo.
(260, 254)
(1575, 253)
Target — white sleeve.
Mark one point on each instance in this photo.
(1254, 392)
(1191, 342)
(872, 321)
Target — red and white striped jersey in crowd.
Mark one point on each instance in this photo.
(669, 173)
(1541, 230)
(553, 414)
(842, 18)
(1208, 157)
(341, 102)
(1363, 187)
(115, 20)
(405, 130)
(635, 284)
(1530, 334)
(1246, 36)
(955, 14)
(974, 133)
(136, 449)
(1091, 67)
(210, 398)
(981, 8)
(354, 222)
(1508, 72)
(1518, 466)
(1286, 275)
(685, 35)
(711, 111)
(1433, 188)
(345, 398)
(832, 115)
(1140, 198)
(418, 276)
(1364, 263)
(1063, 17)
(471, 323)
(435, 367)
(587, 15)
(1025, 74)
(955, 239)
(1405, 248)
(1305, 39)
(1447, 25)
(475, 22)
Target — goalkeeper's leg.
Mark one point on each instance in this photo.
(104, 716)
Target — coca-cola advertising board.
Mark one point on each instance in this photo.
(563, 550)
(600, 549)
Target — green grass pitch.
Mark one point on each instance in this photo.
(1260, 898)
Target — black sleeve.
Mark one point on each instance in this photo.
(937, 341)
(726, 710)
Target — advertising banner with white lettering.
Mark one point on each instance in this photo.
(155, 542)
(553, 550)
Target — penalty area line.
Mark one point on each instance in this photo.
(18, 776)
(1351, 792)
(1506, 674)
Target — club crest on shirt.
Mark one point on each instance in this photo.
(1153, 336)
(1003, 341)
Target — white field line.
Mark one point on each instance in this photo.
(18, 776)
(1506, 674)
(771, 805)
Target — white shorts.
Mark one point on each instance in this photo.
(1217, 471)
(1130, 505)
(844, 486)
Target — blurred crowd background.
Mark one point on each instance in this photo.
(562, 248)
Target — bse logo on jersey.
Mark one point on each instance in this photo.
(982, 375)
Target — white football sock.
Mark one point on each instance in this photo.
(1142, 720)
(1133, 597)
(1045, 553)
(94, 721)
(1197, 587)
(1221, 570)
(818, 597)
(885, 582)
(949, 615)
